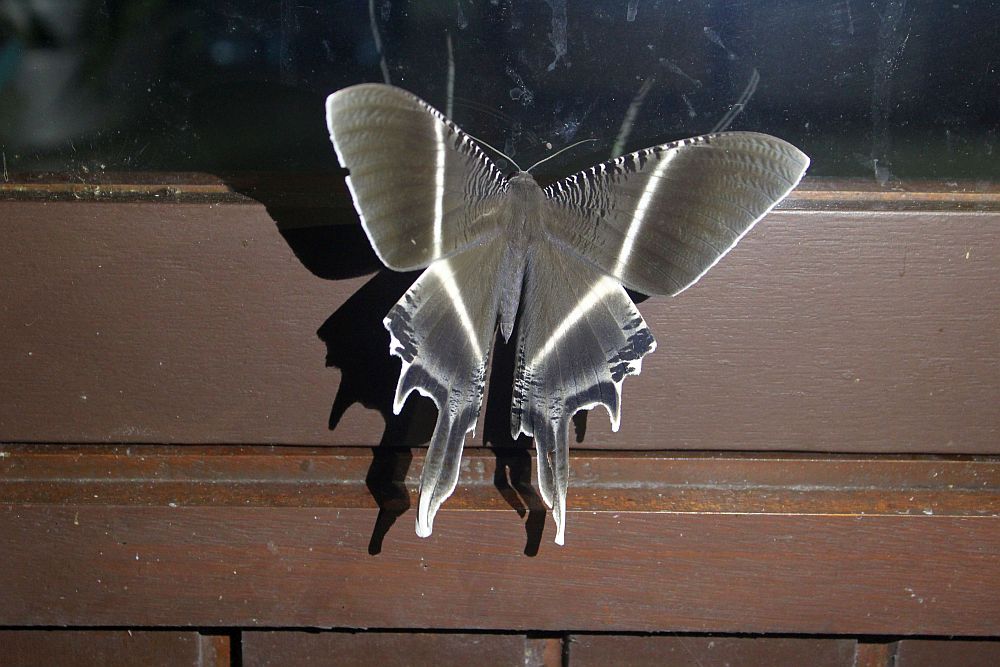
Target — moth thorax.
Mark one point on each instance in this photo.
(523, 189)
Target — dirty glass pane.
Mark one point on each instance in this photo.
(884, 90)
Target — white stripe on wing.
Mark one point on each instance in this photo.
(442, 271)
(604, 286)
(438, 184)
(641, 209)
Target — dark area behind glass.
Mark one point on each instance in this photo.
(885, 90)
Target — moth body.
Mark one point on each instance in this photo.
(523, 208)
(496, 250)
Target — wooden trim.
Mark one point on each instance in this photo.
(673, 483)
(297, 538)
(318, 189)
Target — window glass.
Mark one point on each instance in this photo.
(883, 90)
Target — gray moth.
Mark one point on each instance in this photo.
(499, 249)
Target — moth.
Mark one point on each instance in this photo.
(498, 250)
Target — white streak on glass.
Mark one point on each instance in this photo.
(449, 108)
(630, 11)
(640, 210)
(630, 115)
(442, 271)
(604, 286)
(691, 112)
(558, 35)
(740, 104)
(715, 39)
(438, 184)
(676, 69)
(378, 42)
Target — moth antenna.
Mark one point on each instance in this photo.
(558, 152)
(497, 151)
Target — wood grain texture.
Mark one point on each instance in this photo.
(111, 648)
(386, 649)
(869, 653)
(601, 481)
(933, 653)
(695, 651)
(251, 537)
(285, 567)
(220, 320)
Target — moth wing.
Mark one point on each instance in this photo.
(658, 219)
(579, 336)
(422, 187)
(442, 330)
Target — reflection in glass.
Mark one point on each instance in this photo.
(885, 91)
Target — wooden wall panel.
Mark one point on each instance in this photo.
(934, 653)
(700, 651)
(225, 321)
(875, 653)
(392, 649)
(112, 648)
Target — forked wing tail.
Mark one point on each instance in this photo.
(442, 330)
(579, 336)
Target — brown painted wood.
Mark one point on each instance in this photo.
(386, 649)
(327, 189)
(544, 651)
(311, 567)
(292, 537)
(695, 651)
(221, 320)
(875, 654)
(934, 653)
(111, 648)
(494, 480)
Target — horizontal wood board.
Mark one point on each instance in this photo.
(238, 537)
(291, 648)
(498, 479)
(288, 567)
(639, 651)
(112, 648)
(398, 649)
(931, 653)
(830, 328)
(721, 651)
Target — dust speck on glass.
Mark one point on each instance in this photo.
(883, 90)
